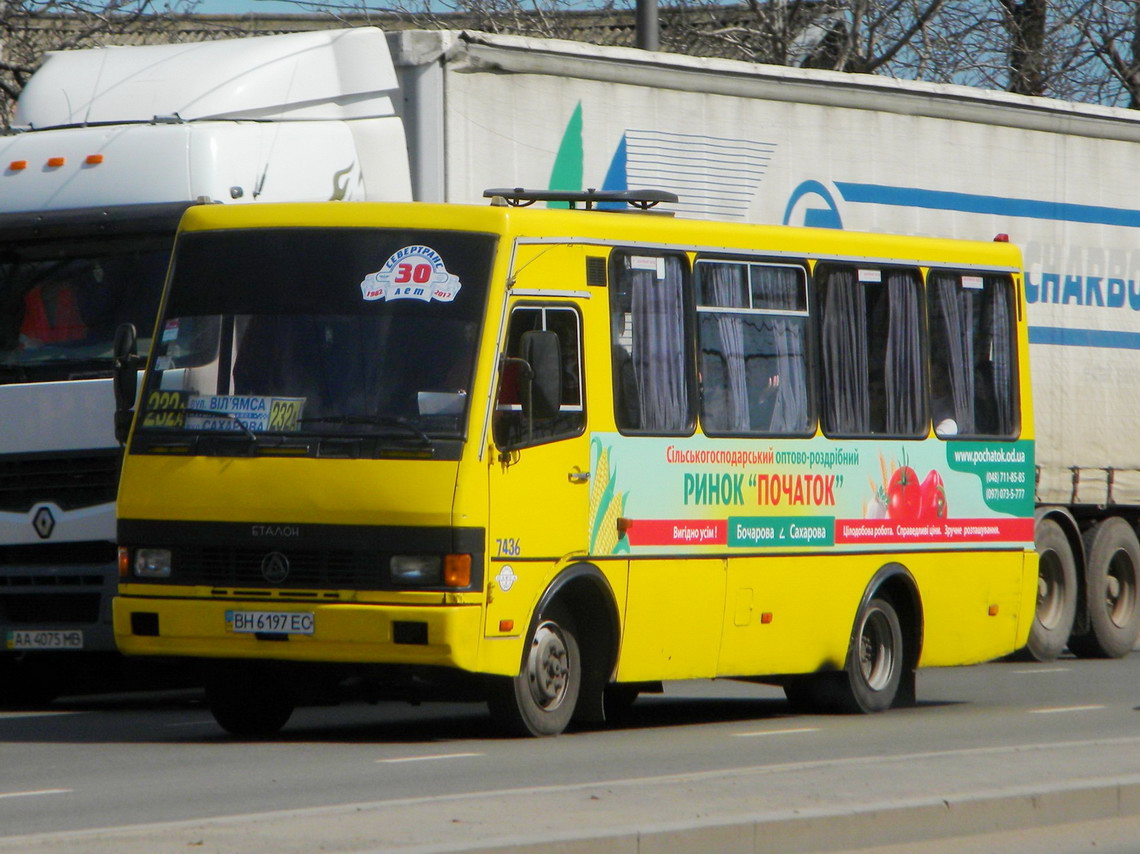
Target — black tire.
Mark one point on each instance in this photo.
(249, 701)
(872, 676)
(618, 700)
(1111, 576)
(540, 700)
(26, 684)
(1056, 593)
(875, 661)
(808, 694)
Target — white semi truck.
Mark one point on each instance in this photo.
(116, 142)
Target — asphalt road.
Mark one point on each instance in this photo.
(998, 748)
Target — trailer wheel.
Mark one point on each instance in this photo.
(248, 702)
(1111, 590)
(1056, 593)
(540, 700)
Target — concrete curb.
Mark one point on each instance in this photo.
(816, 832)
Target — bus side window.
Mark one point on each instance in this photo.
(752, 330)
(871, 347)
(652, 381)
(513, 426)
(973, 377)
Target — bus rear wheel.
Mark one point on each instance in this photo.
(872, 676)
(248, 701)
(875, 661)
(540, 700)
(1111, 577)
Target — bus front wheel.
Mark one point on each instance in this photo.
(540, 700)
(249, 702)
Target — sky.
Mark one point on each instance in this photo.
(241, 7)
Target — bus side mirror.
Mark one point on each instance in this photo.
(542, 396)
(125, 379)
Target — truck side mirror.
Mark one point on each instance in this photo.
(542, 396)
(125, 379)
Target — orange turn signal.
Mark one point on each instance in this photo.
(457, 570)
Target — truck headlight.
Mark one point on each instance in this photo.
(152, 563)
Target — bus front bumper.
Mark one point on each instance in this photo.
(442, 635)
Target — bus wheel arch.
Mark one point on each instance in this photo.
(568, 657)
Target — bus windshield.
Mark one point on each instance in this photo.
(62, 298)
(327, 332)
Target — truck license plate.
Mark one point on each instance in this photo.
(270, 622)
(44, 639)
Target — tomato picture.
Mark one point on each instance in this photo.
(904, 495)
(932, 501)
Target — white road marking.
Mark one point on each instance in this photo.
(35, 792)
(762, 732)
(430, 757)
(1036, 670)
(1060, 709)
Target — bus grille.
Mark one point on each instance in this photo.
(237, 567)
(70, 481)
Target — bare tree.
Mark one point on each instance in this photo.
(1112, 31)
(29, 28)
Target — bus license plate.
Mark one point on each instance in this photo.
(44, 639)
(270, 622)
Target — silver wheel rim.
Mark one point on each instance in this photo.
(1120, 589)
(548, 666)
(1050, 590)
(876, 650)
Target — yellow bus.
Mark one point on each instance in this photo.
(549, 457)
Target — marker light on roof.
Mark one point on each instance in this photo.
(17, 165)
(93, 159)
(1002, 238)
(56, 162)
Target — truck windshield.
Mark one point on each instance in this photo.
(62, 298)
(319, 331)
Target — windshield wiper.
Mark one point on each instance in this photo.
(213, 413)
(375, 421)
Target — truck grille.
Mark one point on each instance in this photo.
(71, 481)
(33, 608)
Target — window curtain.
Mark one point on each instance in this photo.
(903, 368)
(727, 289)
(659, 348)
(1001, 346)
(779, 288)
(847, 399)
(957, 310)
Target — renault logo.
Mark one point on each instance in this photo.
(43, 522)
(275, 567)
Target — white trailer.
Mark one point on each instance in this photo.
(777, 145)
(118, 141)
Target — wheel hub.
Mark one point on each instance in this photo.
(548, 666)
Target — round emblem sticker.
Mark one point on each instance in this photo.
(506, 578)
(414, 272)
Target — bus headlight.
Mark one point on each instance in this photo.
(431, 570)
(416, 570)
(152, 563)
